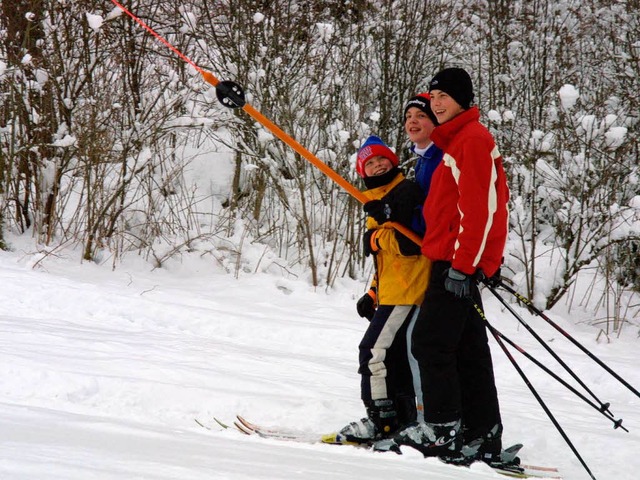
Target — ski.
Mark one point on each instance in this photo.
(220, 423)
(242, 429)
(509, 457)
(339, 439)
(511, 468)
(278, 434)
(515, 472)
(522, 474)
(204, 425)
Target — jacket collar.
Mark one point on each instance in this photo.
(443, 134)
(380, 180)
(381, 191)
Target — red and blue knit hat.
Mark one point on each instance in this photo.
(373, 146)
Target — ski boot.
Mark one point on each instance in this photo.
(380, 422)
(486, 447)
(430, 439)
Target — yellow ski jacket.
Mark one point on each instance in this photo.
(399, 279)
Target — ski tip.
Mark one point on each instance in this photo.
(201, 424)
(246, 424)
(223, 425)
(242, 428)
(210, 427)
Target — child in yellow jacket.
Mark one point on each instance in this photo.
(396, 292)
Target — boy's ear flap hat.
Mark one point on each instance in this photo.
(372, 147)
(456, 82)
(421, 102)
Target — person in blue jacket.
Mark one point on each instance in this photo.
(419, 122)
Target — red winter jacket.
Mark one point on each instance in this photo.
(466, 210)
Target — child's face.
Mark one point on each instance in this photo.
(418, 126)
(377, 165)
(444, 106)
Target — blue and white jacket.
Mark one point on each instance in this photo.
(427, 162)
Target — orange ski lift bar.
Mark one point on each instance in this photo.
(231, 95)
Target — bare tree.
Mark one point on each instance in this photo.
(100, 125)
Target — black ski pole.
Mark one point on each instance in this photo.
(607, 414)
(541, 314)
(532, 389)
(604, 407)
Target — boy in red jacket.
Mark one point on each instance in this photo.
(466, 216)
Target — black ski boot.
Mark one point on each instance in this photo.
(380, 422)
(486, 446)
(430, 439)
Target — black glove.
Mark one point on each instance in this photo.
(366, 243)
(377, 209)
(366, 306)
(494, 280)
(458, 283)
(407, 246)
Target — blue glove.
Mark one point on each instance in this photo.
(458, 283)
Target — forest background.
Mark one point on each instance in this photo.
(111, 145)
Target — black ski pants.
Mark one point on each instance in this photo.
(450, 344)
(384, 363)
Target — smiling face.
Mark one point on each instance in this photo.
(444, 106)
(377, 165)
(418, 126)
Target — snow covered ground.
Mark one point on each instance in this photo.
(102, 374)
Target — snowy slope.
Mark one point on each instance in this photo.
(102, 374)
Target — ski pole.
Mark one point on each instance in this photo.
(532, 388)
(604, 407)
(231, 95)
(529, 304)
(607, 414)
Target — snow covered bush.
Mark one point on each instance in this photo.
(112, 143)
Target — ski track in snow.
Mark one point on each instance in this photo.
(102, 374)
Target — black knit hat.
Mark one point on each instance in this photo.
(455, 82)
(421, 102)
